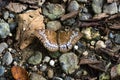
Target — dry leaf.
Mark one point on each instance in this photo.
(19, 73)
(28, 23)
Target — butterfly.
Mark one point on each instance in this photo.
(61, 40)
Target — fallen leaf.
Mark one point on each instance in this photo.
(19, 73)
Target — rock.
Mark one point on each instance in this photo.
(31, 1)
(110, 8)
(6, 15)
(46, 59)
(68, 78)
(57, 78)
(100, 44)
(36, 58)
(43, 67)
(50, 73)
(13, 26)
(54, 25)
(16, 7)
(3, 46)
(97, 6)
(52, 63)
(104, 76)
(2, 70)
(2, 78)
(12, 15)
(82, 0)
(53, 11)
(73, 6)
(84, 16)
(4, 29)
(68, 62)
(35, 76)
(69, 22)
(119, 8)
(7, 58)
(117, 38)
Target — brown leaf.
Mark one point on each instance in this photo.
(28, 23)
(19, 73)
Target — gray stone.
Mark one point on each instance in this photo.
(35, 76)
(110, 8)
(54, 25)
(57, 78)
(84, 16)
(82, 0)
(2, 70)
(7, 58)
(117, 38)
(12, 15)
(69, 22)
(53, 11)
(4, 30)
(43, 67)
(97, 6)
(6, 15)
(12, 25)
(36, 58)
(73, 6)
(2, 78)
(69, 62)
(119, 8)
(3, 46)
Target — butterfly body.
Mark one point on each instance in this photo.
(62, 41)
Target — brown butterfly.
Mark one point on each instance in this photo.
(61, 40)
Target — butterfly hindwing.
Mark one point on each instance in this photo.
(48, 38)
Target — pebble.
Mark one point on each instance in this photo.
(6, 15)
(54, 25)
(82, 0)
(4, 29)
(43, 67)
(36, 58)
(3, 46)
(12, 25)
(111, 35)
(2, 78)
(85, 53)
(119, 8)
(35, 76)
(50, 73)
(110, 8)
(84, 16)
(100, 44)
(53, 11)
(117, 38)
(57, 78)
(46, 59)
(7, 58)
(73, 6)
(68, 62)
(97, 6)
(52, 63)
(2, 70)
(12, 15)
(68, 78)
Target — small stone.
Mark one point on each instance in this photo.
(46, 59)
(104, 76)
(84, 16)
(97, 6)
(50, 73)
(117, 38)
(57, 78)
(76, 47)
(69, 22)
(68, 62)
(68, 78)
(82, 0)
(3, 46)
(73, 6)
(85, 53)
(100, 44)
(31, 1)
(54, 25)
(36, 58)
(119, 8)
(53, 11)
(110, 8)
(4, 30)
(52, 63)
(6, 15)
(43, 67)
(12, 25)
(16, 7)
(2, 78)
(111, 35)
(2, 70)
(12, 15)
(7, 58)
(35, 76)
(92, 43)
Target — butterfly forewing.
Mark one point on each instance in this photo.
(48, 38)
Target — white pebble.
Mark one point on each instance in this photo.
(85, 53)
(100, 44)
(52, 63)
(46, 59)
(76, 47)
(15, 63)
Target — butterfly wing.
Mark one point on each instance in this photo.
(48, 38)
(66, 39)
